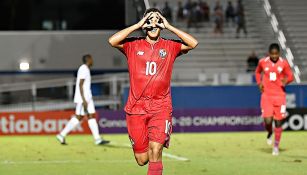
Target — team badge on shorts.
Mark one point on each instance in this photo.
(162, 53)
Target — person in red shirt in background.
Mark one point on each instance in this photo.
(149, 107)
(273, 73)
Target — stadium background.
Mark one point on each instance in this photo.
(41, 44)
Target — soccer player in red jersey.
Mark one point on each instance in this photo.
(273, 73)
(149, 107)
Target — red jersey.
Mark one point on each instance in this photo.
(272, 76)
(150, 70)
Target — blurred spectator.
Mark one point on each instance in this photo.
(167, 12)
(188, 5)
(180, 14)
(230, 13)
(206, 10)
(198, 11)
(240, 19)
(155, 5)
(218, 6)
(187, 9)
(193, 16)
(252, 62)
(218, 19)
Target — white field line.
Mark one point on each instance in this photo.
(31, 162)
(168, 155)
(171, 156)
(6, 162)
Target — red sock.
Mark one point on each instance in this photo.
(278, 132)
(155, 168)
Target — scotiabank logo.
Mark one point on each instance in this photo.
(37, 123)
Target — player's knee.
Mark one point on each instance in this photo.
(141, 161)
(278, 124)
(268, 120)
(90, 116)
(156, 151)
(79, 117)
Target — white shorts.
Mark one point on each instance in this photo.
(90, 108)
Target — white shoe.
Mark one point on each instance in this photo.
(275, 151)
(269, 140)
(61, 139)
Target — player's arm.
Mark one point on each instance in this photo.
(82, 93)
(117, 40)
(189, 41)
(288, 75)
(258, 73)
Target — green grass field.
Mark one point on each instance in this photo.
(208, 153)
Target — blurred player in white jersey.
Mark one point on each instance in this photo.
(84, 103)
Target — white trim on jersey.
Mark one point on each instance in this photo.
(266, 59)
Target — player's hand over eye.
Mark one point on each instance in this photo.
(261, 88)
(164, 24)
(144, 22)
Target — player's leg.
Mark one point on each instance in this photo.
(278, 119)
(93, 125)
(138, 135)
(278, 132)
(141, 158)
(268, 124)
(72, 123)
(155, 158)
(267, 109)
(159, 130)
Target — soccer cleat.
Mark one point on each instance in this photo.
(101, 142)
(61, 139)
(275, 151)
(269, 141)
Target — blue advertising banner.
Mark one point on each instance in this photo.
(228, 97)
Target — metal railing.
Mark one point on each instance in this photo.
(57, 94)
(282, 39)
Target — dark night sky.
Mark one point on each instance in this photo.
(78, 14)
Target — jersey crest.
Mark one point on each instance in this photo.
(162, 53)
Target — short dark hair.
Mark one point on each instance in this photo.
(152, 10)
(86, 57)
(274, 46)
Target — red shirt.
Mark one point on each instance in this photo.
(150, 70)
(273, 73)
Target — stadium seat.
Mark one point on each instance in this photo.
(224, 54)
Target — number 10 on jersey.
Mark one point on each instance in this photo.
(151, 68)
